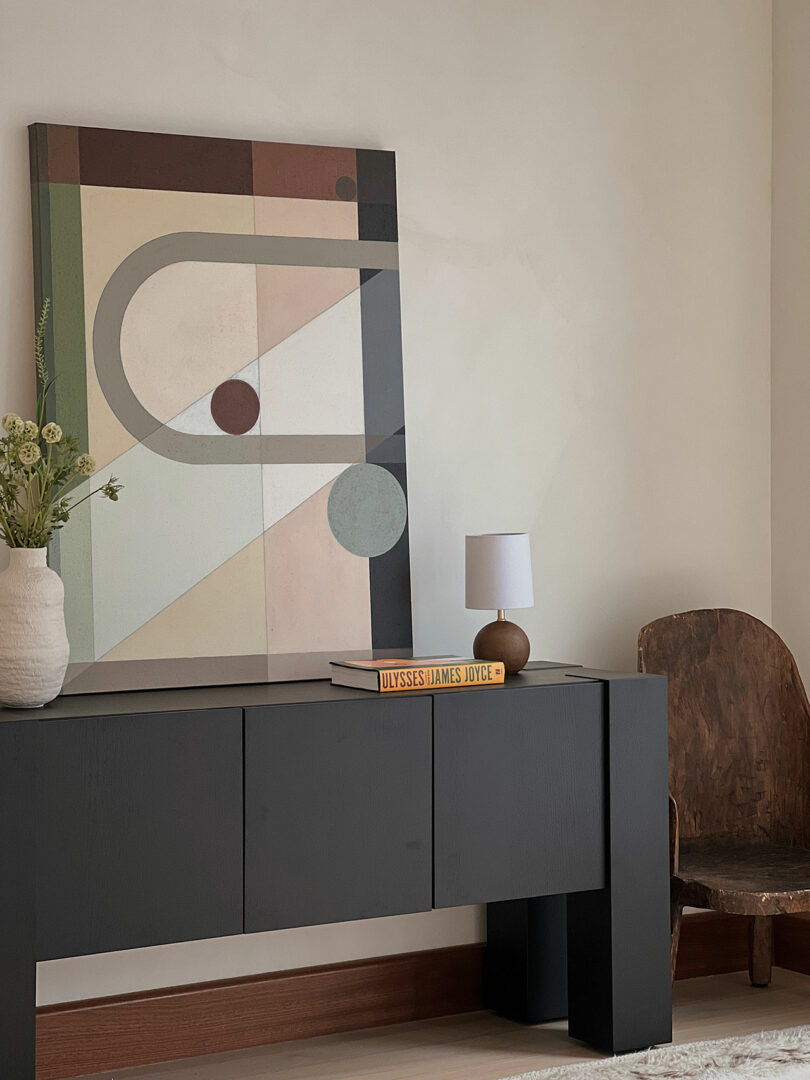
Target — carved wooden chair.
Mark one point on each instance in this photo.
(739, 771)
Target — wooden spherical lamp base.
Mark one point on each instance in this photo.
(502, 640)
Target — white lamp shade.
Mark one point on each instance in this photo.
(499, 571)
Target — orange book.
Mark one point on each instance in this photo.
(387, 676)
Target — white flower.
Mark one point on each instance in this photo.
(13, 424)
(30, 430)
(51, 433)
(85, 465)
(29, 453)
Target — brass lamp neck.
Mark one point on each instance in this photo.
(501, 615)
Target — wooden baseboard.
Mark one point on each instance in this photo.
(207, 1018)
(713, 943)
(185, 1021)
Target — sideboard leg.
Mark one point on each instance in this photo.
(619, 937)
(17, 946)
(525, 961)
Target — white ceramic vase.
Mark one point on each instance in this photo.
(33, 641)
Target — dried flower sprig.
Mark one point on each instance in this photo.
(40, 466)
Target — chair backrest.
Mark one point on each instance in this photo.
(739, 726)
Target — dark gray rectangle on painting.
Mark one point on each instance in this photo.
(382, 353)
(392, 450)
(519, 793)
(337, 811)
(390, 577)
(389, 573)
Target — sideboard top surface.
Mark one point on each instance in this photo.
(190, 699)
(537, 673)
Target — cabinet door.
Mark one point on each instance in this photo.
(139, 837)
(337, 811)
(519, 793)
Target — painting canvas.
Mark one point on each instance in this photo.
(225, 340)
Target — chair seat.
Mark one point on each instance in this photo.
(750, 879)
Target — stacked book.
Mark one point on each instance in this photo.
(433, 673)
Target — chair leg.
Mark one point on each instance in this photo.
(761, 950)
(676, 914)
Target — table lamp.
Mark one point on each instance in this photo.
(499, 577)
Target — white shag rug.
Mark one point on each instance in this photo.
(768, 1055)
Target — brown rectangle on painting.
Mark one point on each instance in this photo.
(289, 171)
(63, 154)
(141, 159)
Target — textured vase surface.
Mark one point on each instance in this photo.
(33, 641)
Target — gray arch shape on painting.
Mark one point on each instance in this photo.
(223, 248)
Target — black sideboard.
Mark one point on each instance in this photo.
(138, 819)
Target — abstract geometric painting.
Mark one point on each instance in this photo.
(225, 339)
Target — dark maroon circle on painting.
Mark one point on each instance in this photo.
(235, 406)
(345, 188)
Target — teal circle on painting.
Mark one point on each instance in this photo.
(367, 510)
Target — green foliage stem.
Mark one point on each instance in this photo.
(40, 467)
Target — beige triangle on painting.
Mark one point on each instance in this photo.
(318, 593)
(222, 615)
(289, 297)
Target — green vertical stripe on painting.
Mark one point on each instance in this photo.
(41, 225)
(70, 388)
(68, 404)
(41, 220)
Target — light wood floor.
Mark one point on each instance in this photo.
(479, 1046)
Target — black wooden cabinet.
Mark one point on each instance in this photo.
(337, 811)
(519, 794)
(139, 831)
(144, 818)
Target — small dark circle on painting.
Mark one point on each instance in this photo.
(345, 188)
(235, 406)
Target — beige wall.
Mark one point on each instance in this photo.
(791, 326)
(585, 212)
